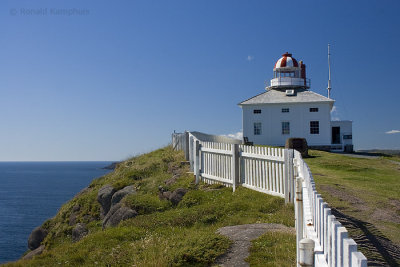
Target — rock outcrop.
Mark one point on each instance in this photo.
(177, 195)
(36, 237)
(119, 195)
(112, 210)
(74, 215)
(80, 230)
(117, 214)
(33, 253)
(104, 198)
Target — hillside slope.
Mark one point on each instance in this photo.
(160, 230)
(364, 195)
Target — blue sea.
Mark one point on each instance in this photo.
(31, 192)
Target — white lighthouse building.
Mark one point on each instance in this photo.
(289, 109)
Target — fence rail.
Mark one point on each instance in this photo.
(321, 239)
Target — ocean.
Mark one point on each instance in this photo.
(32, 192)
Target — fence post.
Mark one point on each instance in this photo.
(191, 154)
(299, 215)
(349, 246)
(196, 161)
(341, 235)
(286, 184)
(325, 233)
(291, 175)
(334, 256)
(186, 146)
(235, 165)
(358, 259)
(306, 252)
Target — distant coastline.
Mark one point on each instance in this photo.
(112, 166)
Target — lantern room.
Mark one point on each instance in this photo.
(288, 73)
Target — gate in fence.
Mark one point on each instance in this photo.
(321, 239)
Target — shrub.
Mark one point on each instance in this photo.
(146, 203)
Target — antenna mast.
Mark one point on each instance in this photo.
(329, 69)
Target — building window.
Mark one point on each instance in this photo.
(285, 127)
(347, 136)
(257, 128)
(285, 110)
(314, 127)
(257, 111)
(313, 109)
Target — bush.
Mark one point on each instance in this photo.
(300, 144)
(146, 203)
(193, 198)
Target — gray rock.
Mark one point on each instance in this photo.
(119, 195)
(74, 214)
(104, 198)
(80, 230)
(72, 219)
(76, 208)
(36, 237)
(33, 253)
(88, 218)
(164, 195)
(117, 214)
(177, 195)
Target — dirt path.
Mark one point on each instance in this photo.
(242, 235)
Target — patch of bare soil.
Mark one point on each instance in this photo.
(242, 235)
(387, 215)
(343, 195)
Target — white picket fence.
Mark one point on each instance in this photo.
(314, 221)
(321, 239)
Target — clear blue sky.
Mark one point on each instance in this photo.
(111, 79)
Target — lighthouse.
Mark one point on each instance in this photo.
(289, 108)
(288, 73)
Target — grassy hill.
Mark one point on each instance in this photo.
(163, 234)
(364, 194)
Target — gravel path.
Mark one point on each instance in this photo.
(241, 235)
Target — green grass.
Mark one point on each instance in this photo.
(162, 234)
(365, 189)
(273, 249)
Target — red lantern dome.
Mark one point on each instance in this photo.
(286, 61)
